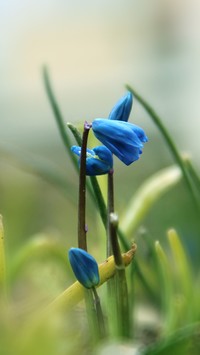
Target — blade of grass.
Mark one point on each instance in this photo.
(183, 276)
(166, 286)
(183, 341)
(148, 193)
(60, 121)
(2, 261)
(168, 139)
(192, 172)
(58, 116)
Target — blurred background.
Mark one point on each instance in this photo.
(92, 49)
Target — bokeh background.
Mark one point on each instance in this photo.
(92, 49)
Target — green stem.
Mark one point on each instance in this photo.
(100, 317)
(118, 289)
(82, 230)
(91, 316)
(110, 209)
(123, 313)
(170, 144)
(193, 174)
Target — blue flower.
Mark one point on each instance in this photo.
(124, 139)
(122, 108)
(99, 160)
(84, 267)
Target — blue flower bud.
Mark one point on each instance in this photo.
(121, 110)
(124, 139)
(99, 160)
(84, 267)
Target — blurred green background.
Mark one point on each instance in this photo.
(92, 49)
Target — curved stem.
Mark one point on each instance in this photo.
(170, 144)
(58, 115)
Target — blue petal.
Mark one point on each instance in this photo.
(84, 267)
(122, 138)
(77, 150)
(104, 154)
(140, 133)
(95, 167)
(99, 160)
(121, 110)
(116, 131)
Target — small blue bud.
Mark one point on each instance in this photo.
(84, 267)
(123, 139)
(121, 110)
(99, 160)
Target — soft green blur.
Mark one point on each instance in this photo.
(92, 49)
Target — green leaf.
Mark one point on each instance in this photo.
(185, 341)
(172, 146)
(145, 197)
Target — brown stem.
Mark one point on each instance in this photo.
(82, 229)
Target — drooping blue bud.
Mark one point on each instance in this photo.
(121, 110)
(84, 267)
(99, 160)
(123, 139)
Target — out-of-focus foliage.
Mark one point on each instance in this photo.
(40, 226)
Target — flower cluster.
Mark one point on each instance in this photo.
(119, 137)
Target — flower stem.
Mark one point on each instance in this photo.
(82, 242)
(111, 284)
(93, 306)
(121, 283)
(91, 315)
(122, 304)
(110, 209)
(100, 317)
(93, 188)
